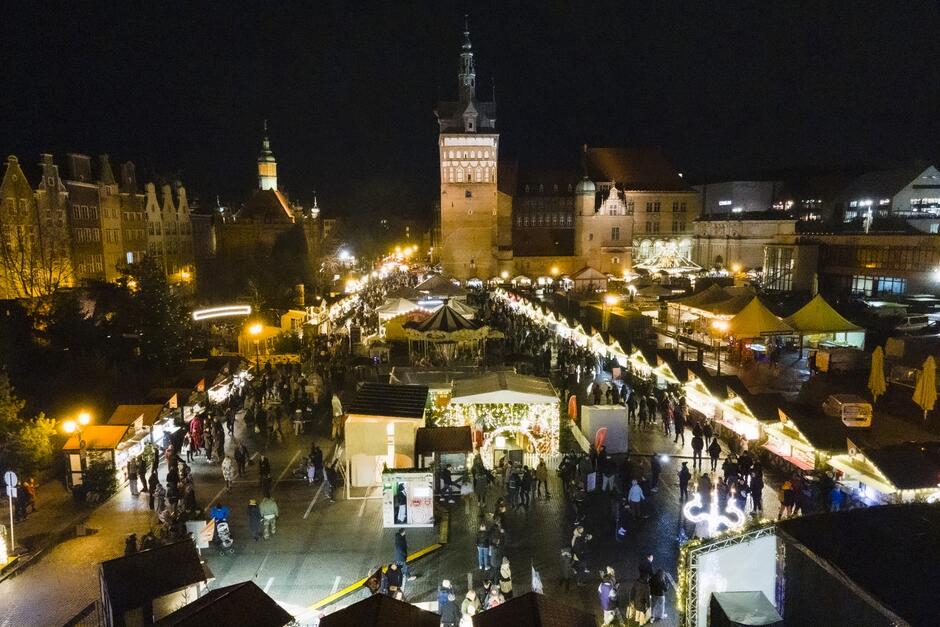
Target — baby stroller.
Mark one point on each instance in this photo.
(224, 540)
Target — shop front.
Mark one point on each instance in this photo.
(93, 442)
(789, 446)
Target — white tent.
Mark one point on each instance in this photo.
(395, 307)
(503, 387)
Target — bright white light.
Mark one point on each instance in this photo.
(694, 512)
(344, 255)
(664, 459)
(222, 312)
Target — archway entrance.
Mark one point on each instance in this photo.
(512, 441)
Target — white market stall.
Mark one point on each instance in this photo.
(381, 423)
(510, 413)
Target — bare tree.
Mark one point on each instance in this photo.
(34, 262)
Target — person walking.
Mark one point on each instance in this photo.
(607, 597)
(254, 519)
(394, 582)
(525, 486)
(684, 477)
(505, 579)
(228, 472)
(639, 610)
(635, 498)
(470, 606)
(494, 598)
(152, 484)
(659, 586)
(159, 497)
(483, 547)
(264, 474)
(401, 553)
(541, 479)
(714, 452)
(680, 418)
(269, 514)
(132, 476)
(241, 458)
(697, 445)
(656, 469)
(449, 611)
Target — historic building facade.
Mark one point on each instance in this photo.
(619, 207)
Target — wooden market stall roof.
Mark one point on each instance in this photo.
(534, 610)
(443, 440)
(386, 399)
(98, 438)
(239, 604)
(818, 316)
(755, 320)
(908, 466)
(381, 610)
(129, 414)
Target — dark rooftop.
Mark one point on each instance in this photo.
(380, 610)
(443, 440)
(534, 610)
(134, 580)
(386, 399)
(909, 466)
(890, 551)
(239, 604)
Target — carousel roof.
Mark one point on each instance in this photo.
(444, 320)
(462, 308)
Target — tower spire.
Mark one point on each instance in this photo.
(467, 78)
(267, 164)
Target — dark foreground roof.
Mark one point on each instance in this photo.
(534, 610)
(386, 399)
(890, 551)
(443, 440)
(909, 466)
(380, 610)
(240, 604)
(134, 580)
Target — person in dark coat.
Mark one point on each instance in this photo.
(254, 519)
(684, 477)
(393, 580)
(152, 483)
(697, 445)
(714, 452)
(401, 552)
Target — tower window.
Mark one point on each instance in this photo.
(468, 194)
(469, 178)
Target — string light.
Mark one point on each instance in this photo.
(732, 518)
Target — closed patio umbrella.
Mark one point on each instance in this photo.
(925, 392)
(876, 378)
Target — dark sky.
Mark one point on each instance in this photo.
(348, 87)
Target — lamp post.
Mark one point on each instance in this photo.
(76, 426)
(721, 327)
(255, 330)
(609, 301)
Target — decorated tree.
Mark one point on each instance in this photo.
(163, 323)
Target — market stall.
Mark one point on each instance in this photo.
(817, 321)
(896, 473)
(510, 414)
(380, 429)
(408, 498)
(94, 441)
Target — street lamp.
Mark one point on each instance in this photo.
(255, 330)
(609, 301)
(721, 326)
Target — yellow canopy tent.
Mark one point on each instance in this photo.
(818, 316)
(755, 320)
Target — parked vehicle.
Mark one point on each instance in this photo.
(853, 410)
(912, 323)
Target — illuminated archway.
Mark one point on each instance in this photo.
(486, 449)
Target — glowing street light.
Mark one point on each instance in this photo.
(609, 301)
(504, 275)
(554, 271)
(255, 331)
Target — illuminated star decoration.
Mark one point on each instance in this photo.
(695, 512)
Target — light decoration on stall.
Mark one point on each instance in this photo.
(539, 421)
(739, 418)
(934, 497)
(732, 518)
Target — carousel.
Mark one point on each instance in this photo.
(446, 337)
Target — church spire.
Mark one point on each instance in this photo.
(467, 78)
(267, 164)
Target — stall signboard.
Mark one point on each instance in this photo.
(408, 498)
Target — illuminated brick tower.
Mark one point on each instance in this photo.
(469, 147)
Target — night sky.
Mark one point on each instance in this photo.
(349, 88)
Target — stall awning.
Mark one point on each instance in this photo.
(756, 320)
(779, 451)
(429, 440)
(98, 438)
(129, 414)
(853, 471)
